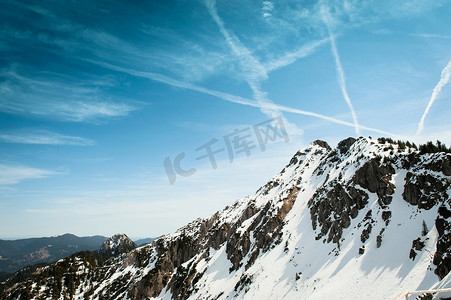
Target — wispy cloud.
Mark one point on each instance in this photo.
(340, 72)
(444, 79)
(292, 57)
(192, 58)
(44, 137)
(189, 60)
(49, 97)
(431, 35)
(15, 174)
(86, 105)
(235, 99)
(267, 8)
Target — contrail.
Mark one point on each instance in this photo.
(254, 71)
(291, 57)
(444, 79)
(228, 97)
(341, 75)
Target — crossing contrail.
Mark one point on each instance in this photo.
(253, 70)
(229, 97)
(341, 75)
(292, 57)
(444, 79)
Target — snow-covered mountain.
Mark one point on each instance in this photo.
(368, 219)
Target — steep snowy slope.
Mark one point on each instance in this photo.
(366, 220)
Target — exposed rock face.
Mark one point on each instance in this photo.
(346, 202)
(322, 144)
(333, 207)
(376, 177)
(442, 257)
(424, 190)
(345, 144)
(417, 245)
(117, 244)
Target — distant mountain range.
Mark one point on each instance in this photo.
(142, 242)
(112, 248)
(16, 254)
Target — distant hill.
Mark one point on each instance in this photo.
(142, 242)
(16, 254)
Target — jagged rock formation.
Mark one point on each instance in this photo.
(366, 219)
(117, 244)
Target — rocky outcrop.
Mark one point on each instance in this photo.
(117, 244)
(333, 207)
(442, 257)
(376, 177)
(322, 144)
(424, 190)
(345, 145)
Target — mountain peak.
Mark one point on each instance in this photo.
(118, 244)
(345, 144)
(321, 143)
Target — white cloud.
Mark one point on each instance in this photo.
(267, 8)
(80, 111)
(70, 111)
(44, 137)
(43, 95)
(15, 174)
(431, 35)
(190, 60)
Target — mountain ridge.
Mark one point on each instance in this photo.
(16, 254)
(366, 219)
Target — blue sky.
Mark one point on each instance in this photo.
(95, 96)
